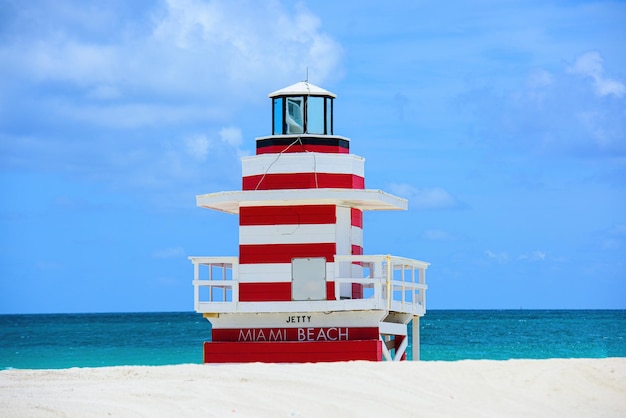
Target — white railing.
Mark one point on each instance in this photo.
(219, 285)
(398, 282)
(362, 282)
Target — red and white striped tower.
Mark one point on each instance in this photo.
(301, 289)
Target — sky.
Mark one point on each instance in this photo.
(502, 122)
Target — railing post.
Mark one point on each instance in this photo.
(388, 282)
(415, 339)
(196, 287)
(403, 286)
(422, 291)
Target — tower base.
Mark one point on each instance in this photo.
(292, 351)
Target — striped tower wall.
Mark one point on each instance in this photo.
(271, 236)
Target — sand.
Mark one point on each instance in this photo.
(471, 388)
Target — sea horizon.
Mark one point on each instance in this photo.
(63, 340)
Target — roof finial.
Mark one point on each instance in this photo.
(307, 74)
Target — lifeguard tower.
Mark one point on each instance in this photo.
(301, 289)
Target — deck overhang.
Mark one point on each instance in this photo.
(230, 202)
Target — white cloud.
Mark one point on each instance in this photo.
(536, 255)
(591, 64)
(208, 47)
(173, 252)
(577, 111)
(615, 237)
(530, 256)
(198, 146)
(501, 257)
(131, 115)
(424, 198)
(104, 92)
(539, 78)
(437, 235)
(64, 59)
(211, 53)
(232, 136)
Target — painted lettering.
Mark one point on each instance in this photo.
(293, 334)
(245, 337)
(331, 337)
(279, 335)
(321, 335)
(345, 334)
(297, 319)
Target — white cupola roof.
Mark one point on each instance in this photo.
(302, 88)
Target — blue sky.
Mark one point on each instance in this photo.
(502, 122)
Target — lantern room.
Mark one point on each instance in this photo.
(302, 108)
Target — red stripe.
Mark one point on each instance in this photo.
(330, 290)
(397, 339)
(265, 292)
(327, 149)
(287, 215)
(303, 333)
(283, 253)
(357, 289)
(356, 217)
(303, 181)
(274, 292)
(292, 351)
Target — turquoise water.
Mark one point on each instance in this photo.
(93, 340)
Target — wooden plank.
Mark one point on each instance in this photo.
(292, 352)
(303, 163)
(286, 234)
(274, 291)
(267, 272)
(283, 253)
(303, 181)
(301, 333)
(330, 290)
(265, 292)
(356, 217)
(287, 215)
(276, 149)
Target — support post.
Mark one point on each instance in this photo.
(415, 339)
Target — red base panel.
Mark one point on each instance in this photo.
(292, 352)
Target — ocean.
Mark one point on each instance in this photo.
(94, 340)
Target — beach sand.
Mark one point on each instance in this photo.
(469, 388)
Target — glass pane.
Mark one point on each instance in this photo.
(295, 115)
(315, 116)
(278, 116)
(329, 116)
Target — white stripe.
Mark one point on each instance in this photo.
(274, 272)
(343, 230)
(356, 234)
(265, 273)
(318, 319)
(286, 234)
(310, 162)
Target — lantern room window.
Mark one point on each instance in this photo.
(302, 114)
(295, 115)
